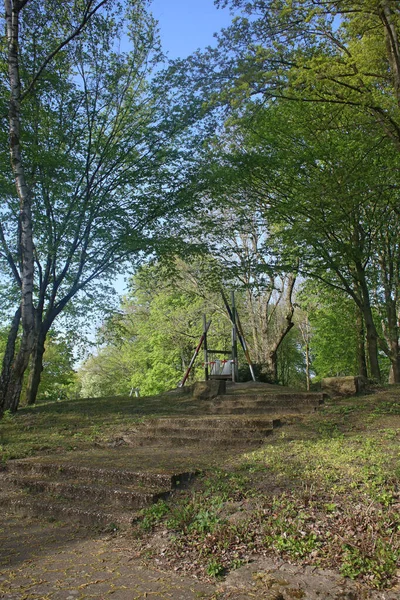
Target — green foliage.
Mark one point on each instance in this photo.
(149, 344)
(153, 515)
(333, 321)
(377, 565)
(291, 363)
(58, 378)
(215, 568)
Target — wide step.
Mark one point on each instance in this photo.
(181, 440)
(108, 475)
(57, 508)
(96, 494)
(283, 403)
(88, 495)
(213, 422)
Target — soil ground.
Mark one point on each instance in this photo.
(43, 560)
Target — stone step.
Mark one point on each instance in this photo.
(281, 398)
(260, 405)
(214, 422)
(260, 409)
(87, 474)
(61, 509)
(202, 432)
(95, 494)
(181, 439)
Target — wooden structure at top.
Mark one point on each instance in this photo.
(226, 368)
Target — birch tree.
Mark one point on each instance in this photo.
(89, 142)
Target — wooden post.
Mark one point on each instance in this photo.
(235, 369)
(205, 348)
(193, 359)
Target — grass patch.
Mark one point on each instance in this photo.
(79, 424)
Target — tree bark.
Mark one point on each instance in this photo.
(361, 357)
(8, 359)
(371, 332)
(14, 387)
(36, 368)
(392, 339)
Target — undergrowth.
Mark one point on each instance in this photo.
(328, 497)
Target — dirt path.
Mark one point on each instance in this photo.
(40, 560)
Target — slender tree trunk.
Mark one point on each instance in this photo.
(12, 394)
(392, 340)
(36, 368)
(371, 332)
(307, 366)
(8, 358)
(390, 284)
(361, 358)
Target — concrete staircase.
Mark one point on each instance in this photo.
(267, 402)
(216, 431)
(90, 495)
(110, 492)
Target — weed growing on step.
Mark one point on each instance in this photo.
(215, 568)
(153, 515)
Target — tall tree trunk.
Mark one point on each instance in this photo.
(308, 366)
(371, 332)
(391, 347)
(8, 358)
(361, 357)
(389, 276)
(12, 394)
(271, 366)
(36, 367)
(372, 345)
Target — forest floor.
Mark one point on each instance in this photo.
(313, 513)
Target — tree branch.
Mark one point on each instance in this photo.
(86, 18)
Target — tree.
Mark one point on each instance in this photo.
(58, 369)
(148, 344)
(335, 52)
(327, 184)
(329, 318)
(93, 182)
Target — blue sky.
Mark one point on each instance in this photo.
(186, 25)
